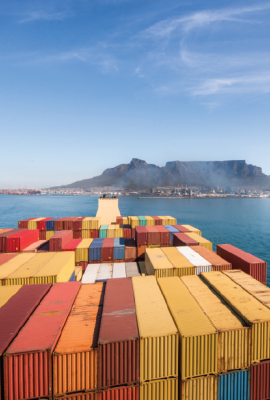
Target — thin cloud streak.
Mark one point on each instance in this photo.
(200, 19)
(45, 16)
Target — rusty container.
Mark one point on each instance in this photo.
(107, 249)
(141, 235)
(141, 252)
(118, 342)
(77, 234)
(120, 393)
(260, 381)
(28, 360)
(127, 231)
(158, 221)
(165, 235)
(15, 313)
(60, 240)
(153, 235)
(77, 224)
(75, 356)
(181, 228)
(130, 250)
(181, 239)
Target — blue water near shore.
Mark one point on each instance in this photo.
(245, 223)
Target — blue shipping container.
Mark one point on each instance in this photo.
(119, 249)
(50, 224)
(234, 386)
(171, 229)
(95, 250)
(72, 278)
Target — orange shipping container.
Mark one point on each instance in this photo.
(218, 263)
(75, 356)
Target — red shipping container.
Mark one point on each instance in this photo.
(133, 233)
(107, 249)
(165, 235)
(120, 393)
(158, 221)
(248, 263)
(260, 381)
(141, 235)
(24, 223)
(181, 228)
(15, 313)
(28, 360)
(82, 264)
(127, 231)
(77, 224)
(42, 235)
(72, 245)
(141, 252)
(153, 235)
(41, 225)
(130, 250)
(21, 240)
(218, 264)
(118, 342)
(3, 238)
(4, 258)
(94, 234)
(68, 223)
(60, 240)
(77, 234)
(80, 396)
(58, 224)
(119, 220)
(181, 239)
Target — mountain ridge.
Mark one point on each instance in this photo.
(138, 174)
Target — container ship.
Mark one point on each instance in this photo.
(135, 308)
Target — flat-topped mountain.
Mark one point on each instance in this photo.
(140, 175)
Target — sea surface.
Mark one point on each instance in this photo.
(244, 223)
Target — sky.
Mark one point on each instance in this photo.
(86, 85)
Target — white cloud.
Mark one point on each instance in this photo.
(45, 16)
(200, 19)
(259, 83)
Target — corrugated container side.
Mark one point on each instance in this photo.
(80, 396)
(27, 362)
(204, 388)
(158, 357)
(120, 393)
(166, 389)
(260, 381)
(199, 270)
(234, 349)
(234, 386)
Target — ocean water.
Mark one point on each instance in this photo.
(244, 223)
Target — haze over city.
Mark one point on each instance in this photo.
(86, 86)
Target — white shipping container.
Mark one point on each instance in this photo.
(194, 258)
(105, 272)
(119, 270)
(199, 270)
(132, 269)
(90, 274)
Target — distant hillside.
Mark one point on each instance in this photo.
(140, 175)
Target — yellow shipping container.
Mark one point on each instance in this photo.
(115, 231)
(165, 389)
(234, 335)
(58, 269)
(202, 241)
(251, 310)
(23, 275)
(86, 233)
(157, 264)
(171, 220)
(49, 234)
(78, 274)
(82, 250)
(182, 266)
(6, 292)
(134, 221)
(150, 221)
(204, 388)
(164, 220)
(257, 289)
(159, 339)
(125, 221)
(198, 336)
(95, 223)
(86, 222)
(14, 264)
(192, 229)
(33, 223)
